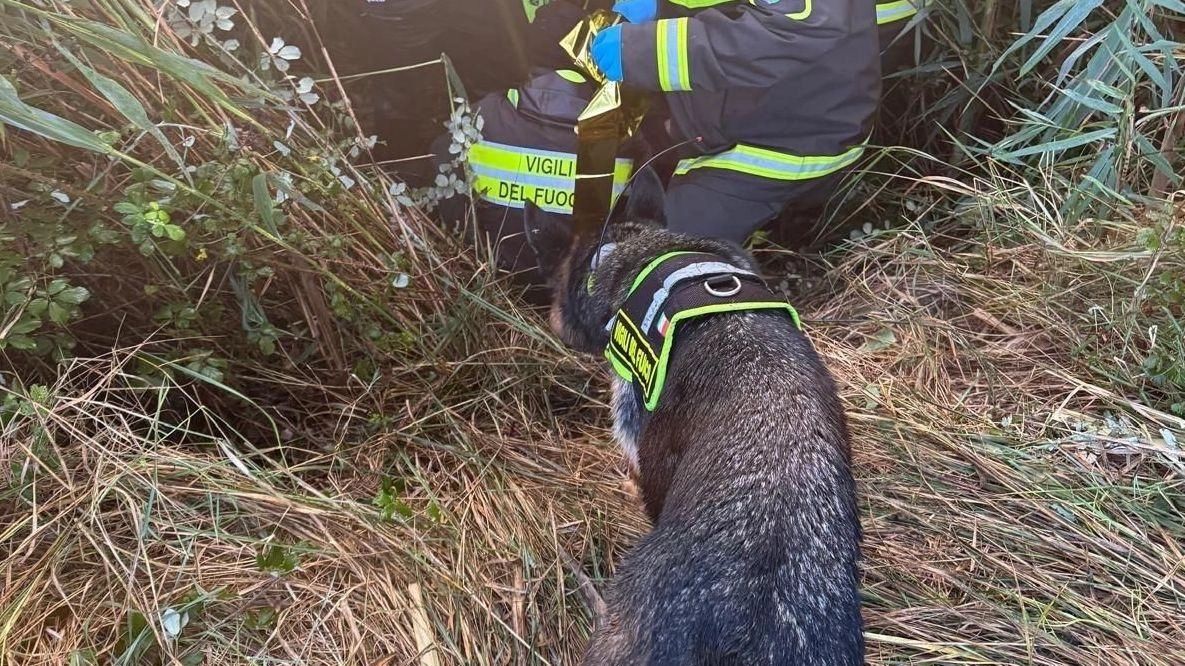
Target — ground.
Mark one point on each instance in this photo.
(1016, 509)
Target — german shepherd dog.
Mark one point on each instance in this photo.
(743, 468)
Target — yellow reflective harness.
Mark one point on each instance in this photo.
(671, 289)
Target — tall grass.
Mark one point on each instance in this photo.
(257, 410)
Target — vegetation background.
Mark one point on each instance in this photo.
(257, 408)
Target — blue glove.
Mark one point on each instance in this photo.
(637, 11)
(606, 52)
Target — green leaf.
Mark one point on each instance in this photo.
(400, 507)
(435, 513)
(26, 326)
(263, 203)
(74, 296)
(58, 314)
(212, 372)
(174, 232)
(126, 208)
(15, 112)
(19, 342)
(263, 618)
(882, 339)
(276, 559)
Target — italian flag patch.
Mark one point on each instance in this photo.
(663, 325)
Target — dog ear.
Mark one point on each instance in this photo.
(645, 199)
(549, 235)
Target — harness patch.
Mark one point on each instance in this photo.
(632, 349)
(671, 289)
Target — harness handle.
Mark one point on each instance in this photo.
(723, 286)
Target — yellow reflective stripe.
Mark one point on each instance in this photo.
(512, 95)
(671, 50)
(660, 49)
(889, 12)
(509, 175)
(773, 164)
(799, 16)
(514, 158)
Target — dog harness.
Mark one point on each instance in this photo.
(671, 289)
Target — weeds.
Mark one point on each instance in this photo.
(256, 408)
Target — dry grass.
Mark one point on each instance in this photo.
(1001, 527)
(1022, 487)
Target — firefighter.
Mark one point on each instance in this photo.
(527, 153)
(777, 96)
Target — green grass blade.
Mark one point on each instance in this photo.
(124, 102)
(1051, 147)
(1068, 23)
(13, 111)
(263, 203)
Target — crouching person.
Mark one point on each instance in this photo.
(778, 97)
(527, 153)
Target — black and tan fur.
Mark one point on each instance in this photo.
(743, 468)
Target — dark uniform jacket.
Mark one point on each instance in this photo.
(799, 77)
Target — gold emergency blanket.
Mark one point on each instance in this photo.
(613, 115)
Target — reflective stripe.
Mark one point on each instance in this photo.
(889, 12)
(671, 48)
(802, 15)
(509, 175)
(885, 12)
(773, 164)
(512, 95)
(694, 270)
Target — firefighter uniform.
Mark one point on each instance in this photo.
(780, 94)
(528, 153)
